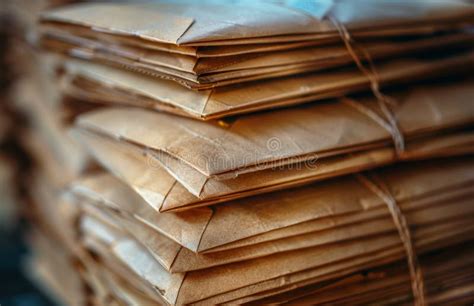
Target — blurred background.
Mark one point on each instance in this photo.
(21, 67)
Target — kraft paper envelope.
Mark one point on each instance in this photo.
(287, 207)
(171, 23)
(162, 192)
(253, 292)
(206, 283)
(175, 259)
(438, 268)
(186, 228)
(186, 80)
(197, 152)
(324, 272)
(78, 33)
(223, 70)
(230, 23)
(326, 222)
(100, 83)
(145, 266)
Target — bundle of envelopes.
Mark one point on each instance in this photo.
(207, 46)
(202, 200)
(274, 243)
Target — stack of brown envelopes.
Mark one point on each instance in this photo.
(359, 157)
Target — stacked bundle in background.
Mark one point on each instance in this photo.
(203, 200)
(37, 160)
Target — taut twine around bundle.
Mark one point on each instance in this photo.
(377, 186)
(384, 102)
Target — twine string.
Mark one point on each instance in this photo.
(377, 186)
(384, 102)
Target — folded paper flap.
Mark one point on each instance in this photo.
(184, 174)
(96, 187)
(285, 208)
(187, 261)
(162, 248)
(131, 165)
(186, 228)
(142, 263)
(250, 141)
(141, 20)
(161, 90)
(72, 30)
(436, 213)
(233, 21)
(141, 172)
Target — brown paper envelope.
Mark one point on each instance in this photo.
(324, 55)
(288, 277)
(215, 280)
(439, 266)
(160, 58)
(169, 96)
(202, 279)
(142, 263)
(318, 274)
(224, 68)
(115, 265)
(150, 180)
(188, 261)
(66, 30)
(223, 214)
(324, 223)
(187, 79)
(120, 158)
(191, 22)
(295, 291)
(255, 142)
(309, 276)
(184, 228)
(309, 203)
(176, 260)
(163, 249)
(71, 30)
(146, 267)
